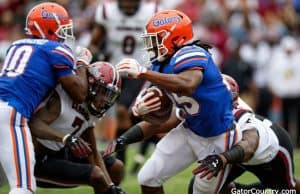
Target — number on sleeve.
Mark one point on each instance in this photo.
(16, 60)
(190, 105)
(128, 45)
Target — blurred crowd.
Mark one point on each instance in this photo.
(255, 41)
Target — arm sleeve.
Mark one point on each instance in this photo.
(62, 60)
(190, 59)
(247, 121)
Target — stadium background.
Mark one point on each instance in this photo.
(255, 41)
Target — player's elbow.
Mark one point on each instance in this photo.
(187, 89)
(249, 150)
(191, 89)
(189, 81)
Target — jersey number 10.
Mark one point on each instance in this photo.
(16, 60)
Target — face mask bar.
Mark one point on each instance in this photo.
(153, 43)
(110, 95)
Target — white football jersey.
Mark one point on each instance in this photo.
(74, 118)
(268, 145)
(124, 32)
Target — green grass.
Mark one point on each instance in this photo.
(175, 185)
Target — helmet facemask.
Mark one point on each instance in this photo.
(101, 97)
(154, 45)
(65, 32)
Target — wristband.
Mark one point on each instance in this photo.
(235, 154)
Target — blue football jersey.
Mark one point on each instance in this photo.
(209, 109)
(30, 70)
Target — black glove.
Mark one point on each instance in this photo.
(113, 189)
(117, 145)
(77, 146)
(210, 166)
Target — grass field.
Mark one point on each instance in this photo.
(176, 185)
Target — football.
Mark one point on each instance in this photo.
(163, 114)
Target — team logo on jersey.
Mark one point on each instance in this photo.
(166, 20)
(47, 15)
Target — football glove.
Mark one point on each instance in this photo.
(83, 54)
(77, 146)
(144, 104)
(210, 166)
(131, 67)
(115, 146)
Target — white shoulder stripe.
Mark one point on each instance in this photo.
(59, 48)
(190, 54)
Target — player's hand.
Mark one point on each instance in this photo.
(115, 146)
(113, 189)
(145, 103)
(84, 55)
(78, 147)
(131, 67)
(209, 167)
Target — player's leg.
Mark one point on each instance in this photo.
(172, 154)
(281, 167)
(115, 169)
(235, 172)
(64, 173)
(16, 148)
(215, 145)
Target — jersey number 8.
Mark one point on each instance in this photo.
(128, 45)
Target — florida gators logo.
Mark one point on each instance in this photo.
(166, 20)
(47, 15)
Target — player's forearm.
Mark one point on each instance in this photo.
(244, 149)
(144, 130)
(176, 83)
(249, 143)
(41, 130)
(80, 88)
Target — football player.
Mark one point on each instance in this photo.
(65, 147)
(264, 150)
(190, 76)
(275, 147)
(33, 66)
(119, 25)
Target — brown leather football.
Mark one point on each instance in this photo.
(163, 114)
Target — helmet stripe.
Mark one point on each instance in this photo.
(39, 29)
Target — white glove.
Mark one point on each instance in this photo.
(145, 104)
(131, 67)
(83, 54)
